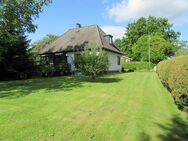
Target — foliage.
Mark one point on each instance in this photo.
(146, 26)
(181, 51)
(54, 70)
(17, 62)
(182, 47)
(19, 14)
(134, 103)
(93, 61)
(174, 74)
(122, 46)
(137, 65)
(16, 18)
(160, 48)
(38, 45)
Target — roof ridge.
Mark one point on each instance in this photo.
(112, 36)
(108, 34)
(87, 33)
(97, 27)
(54, 41)
(82, 27)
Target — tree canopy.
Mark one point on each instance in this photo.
(144, 27)
(19, 14)
(16, 19)
(38, 45)
(160, 49)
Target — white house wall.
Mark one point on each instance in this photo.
(70, 60)
(113, 61)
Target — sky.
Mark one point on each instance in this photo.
(111, 15)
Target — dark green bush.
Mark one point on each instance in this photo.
(46, 70)
(61, 69)
(138, 65)
(174, 75)
(54, 70)
(129, 70)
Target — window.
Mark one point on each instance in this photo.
(109, 39)
(118, 60)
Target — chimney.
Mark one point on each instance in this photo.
(109, 39)
(78, 25)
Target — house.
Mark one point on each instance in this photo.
(72, 42)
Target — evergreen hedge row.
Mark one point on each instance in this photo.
(174, 75)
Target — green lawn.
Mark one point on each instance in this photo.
(123, 107)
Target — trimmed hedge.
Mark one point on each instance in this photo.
(174, 75)
(137, 66)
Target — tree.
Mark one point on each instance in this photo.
(16, 18)
(17, 62)
(93, 61)
(183, 48)
(19, 14)
(38, 45)
(182, 51)
(160, 48)
(146, 26)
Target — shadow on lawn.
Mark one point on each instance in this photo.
(177, 130)
(22, 88)
(144, 137)
(102, 80)
(14, 89)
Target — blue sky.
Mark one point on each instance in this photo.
(111, 15)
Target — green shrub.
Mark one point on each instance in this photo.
(93, 61)
(61, 69)
(163, 71)
(46, 70)
(137, 66)
(54, 70)
(174, 75)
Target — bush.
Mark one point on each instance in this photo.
(163, 71)
(138, 66)
(54, 70)
(93, 61)
(174, 75)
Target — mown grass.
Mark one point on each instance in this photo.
(123, 107)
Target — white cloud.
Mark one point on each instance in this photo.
(175, 10)
(115, 31)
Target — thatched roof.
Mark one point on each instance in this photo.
(77, 37)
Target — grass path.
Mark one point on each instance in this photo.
(122, 107)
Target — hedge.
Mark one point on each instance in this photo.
(137, 65)
(174, 75)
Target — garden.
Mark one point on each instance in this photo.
(129, 106)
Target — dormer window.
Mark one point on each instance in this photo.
(109, 39)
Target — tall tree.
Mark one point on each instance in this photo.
(17, 62)
(19, 14)
(160, 48)
(16, 18)
(146, 26)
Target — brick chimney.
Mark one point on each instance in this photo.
(78, 25)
